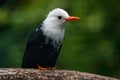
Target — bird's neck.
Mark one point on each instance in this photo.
(55, 34)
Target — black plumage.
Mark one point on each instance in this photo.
(37, 52)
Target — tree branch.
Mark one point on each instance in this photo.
(35, 74)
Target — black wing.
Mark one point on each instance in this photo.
(38, 52)
(31, 50)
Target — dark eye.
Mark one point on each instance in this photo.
(59, 17)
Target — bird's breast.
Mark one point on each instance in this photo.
(54, 36)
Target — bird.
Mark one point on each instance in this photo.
(45, 41)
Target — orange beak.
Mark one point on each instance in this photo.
(71, 18)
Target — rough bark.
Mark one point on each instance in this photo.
(34, 74)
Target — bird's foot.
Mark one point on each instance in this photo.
(45, 69)
(51, 68)
(41, 68)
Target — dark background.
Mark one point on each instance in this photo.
(91, 44)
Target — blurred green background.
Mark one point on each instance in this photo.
(91, 44)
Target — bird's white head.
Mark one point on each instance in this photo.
(53, 25)
(58, 17)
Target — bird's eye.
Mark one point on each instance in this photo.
(59, 17)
